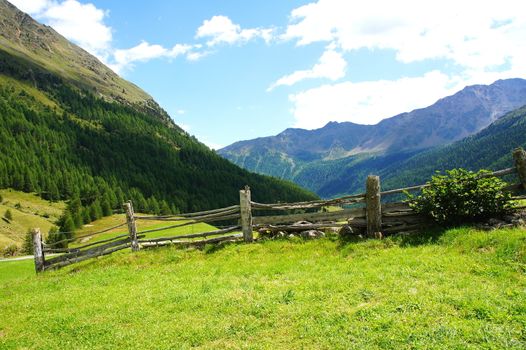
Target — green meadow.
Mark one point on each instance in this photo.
(454, 289)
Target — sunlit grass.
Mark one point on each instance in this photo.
(458, 289)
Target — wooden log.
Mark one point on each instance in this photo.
(193, 235)
(100, 242)
(38, 250)
(85, 257)
(373, 206)
(246, 214)
(87, 235)
(355, 198)
(189, 215)
(312, 205)
(295, 228)
(519, 157)
(192, 222)
(91, 251)
(195, 218)
(132, 227)
(151, 243)
(321, 216)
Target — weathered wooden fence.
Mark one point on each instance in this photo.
(363, 212)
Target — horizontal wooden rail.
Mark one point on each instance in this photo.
(195, 218)
(192, 235)
(335, 215)
(78, 259)
(84, 236)
(221, 218)
(188, 215)
(149, 244)
(300, 227)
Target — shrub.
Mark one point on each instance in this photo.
(462, 196)
(8, 215)
(10, 250)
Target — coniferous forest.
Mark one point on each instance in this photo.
(67, 144)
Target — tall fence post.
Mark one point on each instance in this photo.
(246, 214)
(520, 163)
(132, 228)
(373, 206)
(38, 250)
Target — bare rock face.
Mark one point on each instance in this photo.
(515, 219)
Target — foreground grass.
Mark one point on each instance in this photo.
(464, 289)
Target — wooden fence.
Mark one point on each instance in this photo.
(364, 212)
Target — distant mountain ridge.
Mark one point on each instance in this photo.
(313, 158)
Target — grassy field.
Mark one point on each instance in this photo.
(458, 289)
(29, 211)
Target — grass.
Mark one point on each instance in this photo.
(29, 211)
(459, 289)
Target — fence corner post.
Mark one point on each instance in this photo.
(132, 228)
(519, 155)
(38, 250)
(246, 214)
(373, 206)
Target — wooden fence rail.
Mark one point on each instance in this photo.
(364, 211)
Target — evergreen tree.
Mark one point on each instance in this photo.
(8, 215)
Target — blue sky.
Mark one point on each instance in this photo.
(232, 70)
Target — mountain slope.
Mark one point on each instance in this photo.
(23, 37)
(65, 139)
(321, 159)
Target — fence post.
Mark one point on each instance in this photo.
(520, 163)
(132, 228)
(373, 206)
(38, 250)
(246, 214)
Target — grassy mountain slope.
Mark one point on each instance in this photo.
(491, 149)
(23, 37)
(326, 160)
(29, 211)
(461, 290)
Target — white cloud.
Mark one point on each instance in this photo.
(31, 6)
(481, 34)
(331, 66)
(124, 58)
(81, 23)
(220, 29)
(368, 102)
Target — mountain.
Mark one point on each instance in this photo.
(323, 159)
(72, 129)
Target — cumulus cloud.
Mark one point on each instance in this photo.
(221, 29)
(81, 23)
(331, 65)
(483, 43)
(124, 58)
(480, 35)
(368, 102)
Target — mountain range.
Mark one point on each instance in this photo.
(72, 129)
(335, 159)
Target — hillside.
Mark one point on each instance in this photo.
(459, 289)
(71, 137)
(28, 211)
(23, 37)
(317, 158)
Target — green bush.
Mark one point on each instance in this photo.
(8, 215)
(462, 196)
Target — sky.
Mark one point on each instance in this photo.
(233, 70)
